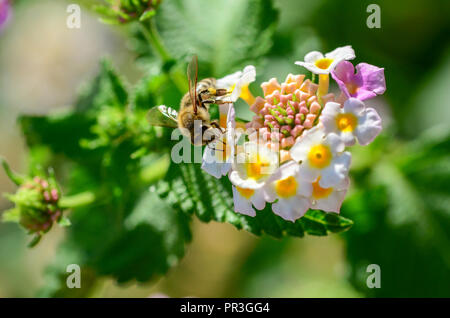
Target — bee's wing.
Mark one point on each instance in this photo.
(162, 116)
(192, 74)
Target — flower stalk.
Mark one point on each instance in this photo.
(151, 34)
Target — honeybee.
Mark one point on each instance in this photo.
(194, 109)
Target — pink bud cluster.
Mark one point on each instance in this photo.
(49, 211)
(287, 110)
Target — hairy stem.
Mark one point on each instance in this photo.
(151, 34)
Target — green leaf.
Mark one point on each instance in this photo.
(154, 90)
(226, 36)
(141, 238)
(189, 189)
(11, 215)
(153, 241)
(147, 15)
(64, 222)
(402, 220)
(319, 223)
(63, 132)
(119, 234)
(112, 90)
(35, 240)
(60, 132)
(107, 88)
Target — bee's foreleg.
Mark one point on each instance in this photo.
(220, 102)
(221, 92)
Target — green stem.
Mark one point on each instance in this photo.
(76, 200)
(151, 34)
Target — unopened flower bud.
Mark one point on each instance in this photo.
(36, 203)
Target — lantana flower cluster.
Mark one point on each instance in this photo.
(292, 155)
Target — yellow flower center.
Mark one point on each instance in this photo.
(222, 149)
(256, 168)
(246, 193)
(319, 156)
(286, 188)
(319, 192)
(246, 95)
(352, 88)
(323, 63)
(346, 122)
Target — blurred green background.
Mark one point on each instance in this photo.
(400, 196)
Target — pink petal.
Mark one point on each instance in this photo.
(344, 71)
(372, 78)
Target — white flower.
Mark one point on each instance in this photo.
(292, 191)
(321, 155)
(219, 154)
(353, 121)
(238, 83)
(253, 165)
(244, 198)
(319, 64)
(329, 199)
